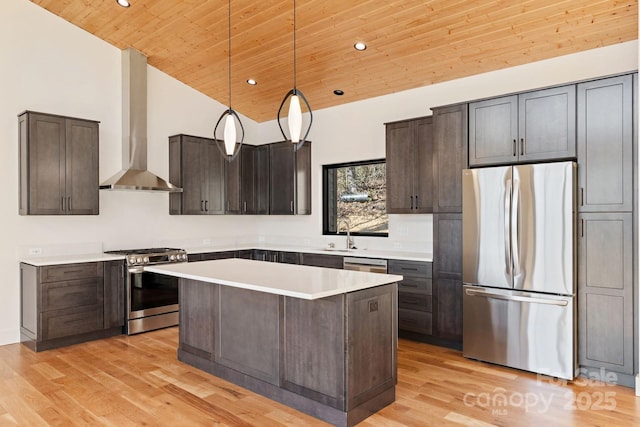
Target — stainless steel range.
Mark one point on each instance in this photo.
(151, 299)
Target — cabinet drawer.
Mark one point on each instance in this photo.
(415, 301)
(289, 257)
(54, 273)
(415, 321)
(72, 293)
(416, 284)
(218, 255)
(73, 321)
(410, 268)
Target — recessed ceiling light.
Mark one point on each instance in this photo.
(360, 46)
(338, 92)
(252, 82)
(123, 3)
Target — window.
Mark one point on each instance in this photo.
(356, 193)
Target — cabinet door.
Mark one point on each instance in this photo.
(493, 131)
(281, 178)
(547, 124)
(450, 156)
(248, 179)
(448, 309)
(605, 145)
(233, 184)
(447, 245)
(423, 170)
(81, 159)
(321, 260)
(302, 180)
(113, 294)
(215, 169)
(192, 165)
(46, 164)
(399, 159)
(605, 291)
(262, 172)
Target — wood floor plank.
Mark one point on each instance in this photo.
(137, 380)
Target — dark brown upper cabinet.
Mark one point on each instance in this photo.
(449, 157)
(255, 179)
(197, 165)
(529, 127)
(409, 158)
(58, 165)
(289, 179)
(605, 145)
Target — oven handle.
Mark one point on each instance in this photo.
(139, 269)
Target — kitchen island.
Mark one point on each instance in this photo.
(320, 340)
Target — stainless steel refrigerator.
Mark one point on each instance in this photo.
(519, 274)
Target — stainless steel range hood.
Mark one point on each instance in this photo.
(134, 174)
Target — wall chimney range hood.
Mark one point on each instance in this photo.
(134, 174)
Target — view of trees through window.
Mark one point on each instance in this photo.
(356, 193)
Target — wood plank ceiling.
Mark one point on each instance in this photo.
(411, 43)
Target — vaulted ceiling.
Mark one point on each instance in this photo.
(411, 43)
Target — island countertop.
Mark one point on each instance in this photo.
(298, 281)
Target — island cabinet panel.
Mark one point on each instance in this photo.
(372, 329)
(313, 349)
(334, 358)
(70, 303)
(198, 302)
(248, 332)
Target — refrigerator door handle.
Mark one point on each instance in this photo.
(507, 230)
(532, 300)
(515, 226)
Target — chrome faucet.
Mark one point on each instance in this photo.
(350, 244)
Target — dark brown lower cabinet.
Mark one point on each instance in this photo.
(415, 296)
(70, 303)
(605, 291)
(321, 260)
(333, 358)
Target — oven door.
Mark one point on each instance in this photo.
(150, 294)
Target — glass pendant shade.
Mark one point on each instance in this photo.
(230, 135)
(295, 119)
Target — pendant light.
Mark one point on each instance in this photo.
(294, 117)
(231, 145)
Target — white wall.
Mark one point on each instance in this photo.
(48, 65)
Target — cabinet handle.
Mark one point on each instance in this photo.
(206, 206)
(228, 205)
(514, 148)
(244, 206)
(408, 285)
(416, 202)
(201, 205)
(411, 197)
(62, 204)
(582, 228)
(69, 203)
(292, 206)
(522, 146)
(581, 196)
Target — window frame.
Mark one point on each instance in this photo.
(325, 197)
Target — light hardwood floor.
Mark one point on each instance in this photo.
(137, 380)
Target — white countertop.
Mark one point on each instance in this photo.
(297, 281)
(70, 259)
(361, 253)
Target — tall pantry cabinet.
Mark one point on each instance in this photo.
(606, 157)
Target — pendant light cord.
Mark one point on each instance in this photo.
(294, 45)
(229, 54)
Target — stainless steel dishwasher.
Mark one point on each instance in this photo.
(372, 265)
